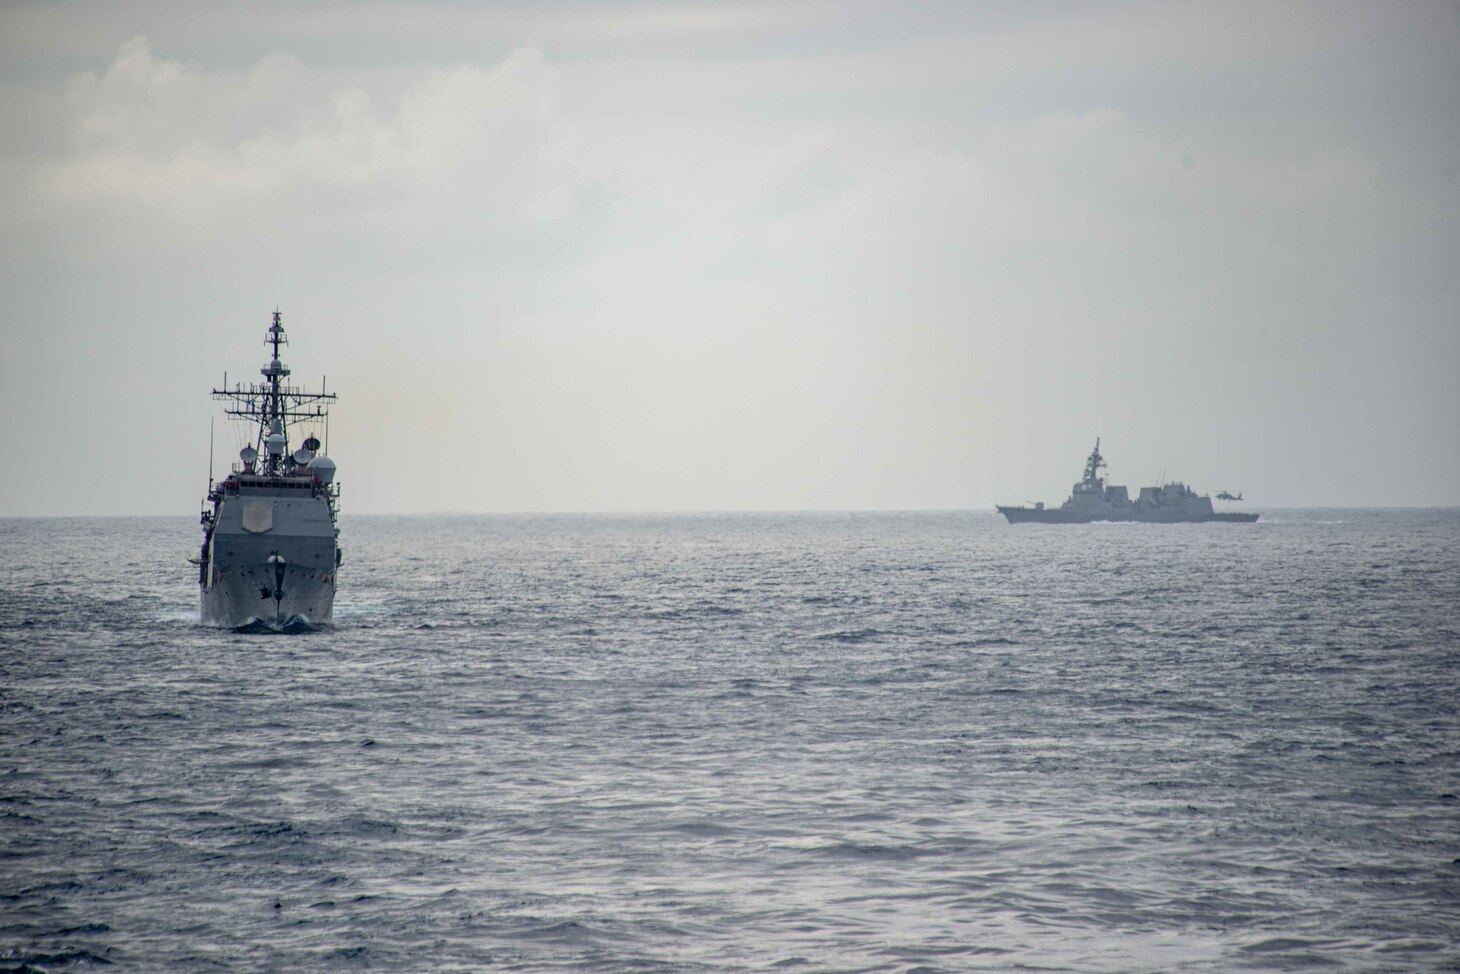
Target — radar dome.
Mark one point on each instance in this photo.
(323, 468)
(276, 444)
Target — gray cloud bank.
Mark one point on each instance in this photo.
(736, 256)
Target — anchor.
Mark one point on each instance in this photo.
(277, 560)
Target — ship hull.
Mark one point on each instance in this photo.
(1056, 515)
(243, 596)
(271, 558)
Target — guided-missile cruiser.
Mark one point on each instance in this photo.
(271, 553)
(1092, 499)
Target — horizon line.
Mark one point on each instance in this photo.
(687, 512)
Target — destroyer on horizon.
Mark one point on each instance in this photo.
(1094, 500)
(270, 541)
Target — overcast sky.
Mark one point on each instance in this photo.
(785, 255)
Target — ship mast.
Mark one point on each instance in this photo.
(1093, 467)
(274, 405)
(274, 371)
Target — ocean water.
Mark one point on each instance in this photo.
(716, 743)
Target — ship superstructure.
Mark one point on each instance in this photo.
(1092, 499)
(270, 552)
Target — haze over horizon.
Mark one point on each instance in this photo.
(736, 256)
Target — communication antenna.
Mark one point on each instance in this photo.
(210, 454)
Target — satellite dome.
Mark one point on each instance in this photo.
(303, 456)
(323, 468)
(248, 454)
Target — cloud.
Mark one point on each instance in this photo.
(826, 272)
(160, 137)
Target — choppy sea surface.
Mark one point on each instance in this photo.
(862, 742)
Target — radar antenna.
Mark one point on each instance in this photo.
(274, 405)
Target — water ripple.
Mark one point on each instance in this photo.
(742, 743)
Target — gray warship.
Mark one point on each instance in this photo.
(1094, 500)
(271, 551)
